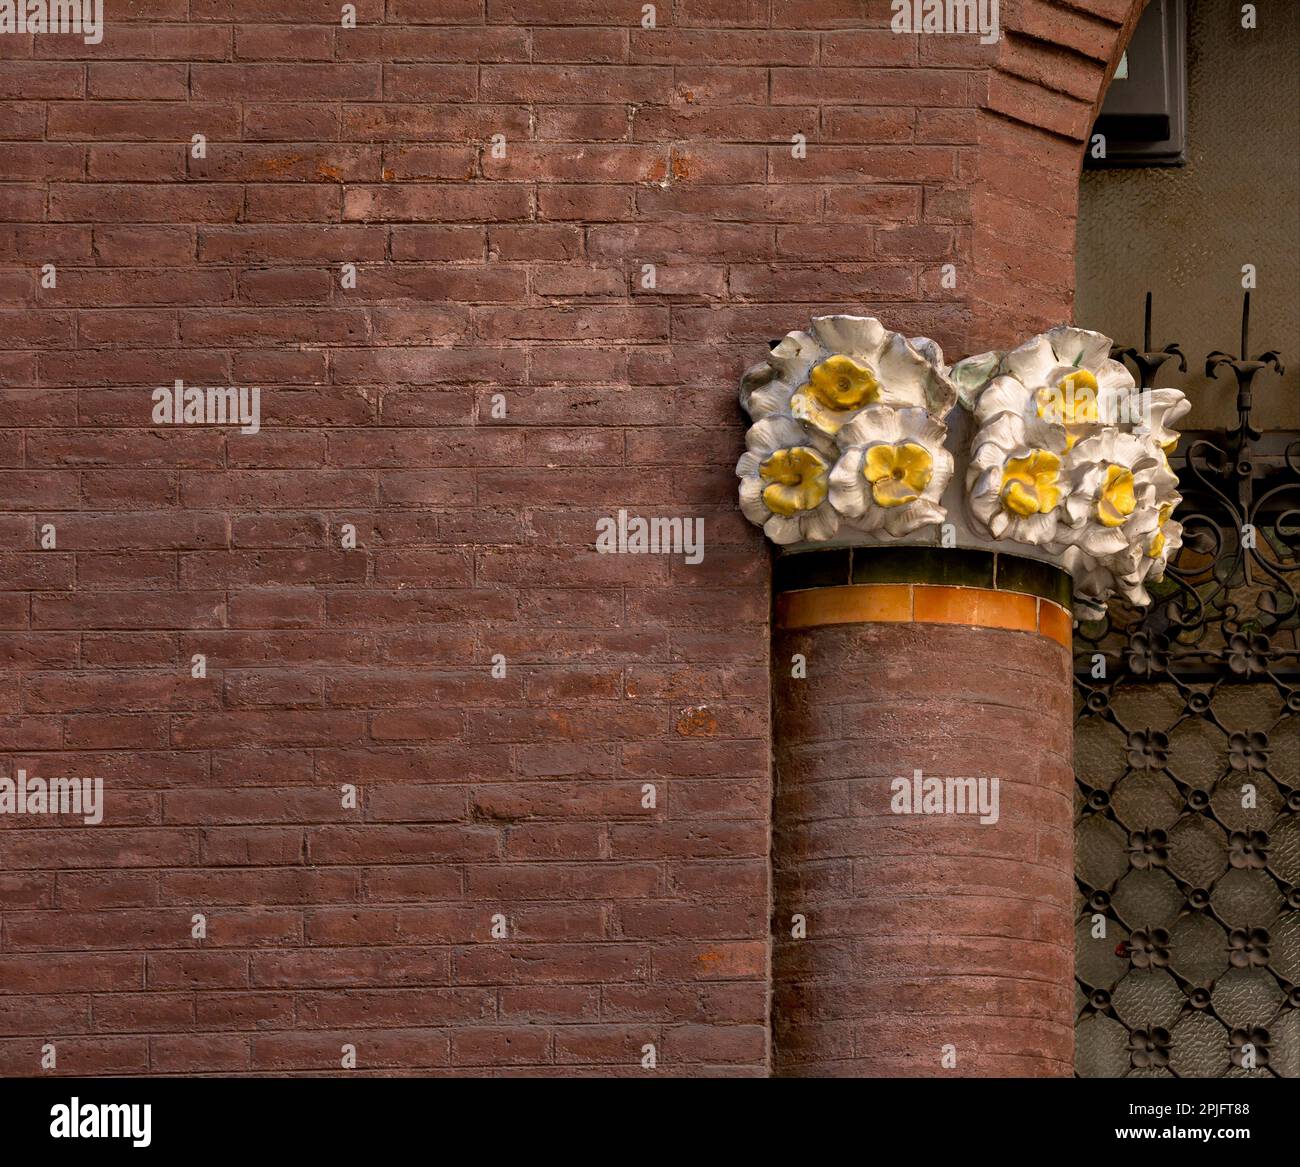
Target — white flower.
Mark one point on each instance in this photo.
(784, 483)
(766, 388)
(1071, 457)
(893, 470)
(1123, 533)
(1166, 540)
(1063, 381)
(1119, 482)
(1127, 572)
(847, 363)
(1156, 537)
(1161, 409)
(1092, 583)
(1014, 482)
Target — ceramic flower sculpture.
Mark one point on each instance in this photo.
(857, 432)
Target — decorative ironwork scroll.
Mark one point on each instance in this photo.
(1187, 762)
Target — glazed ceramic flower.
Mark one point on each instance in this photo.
(1125, 574)
(835, 390)
(846, 363)
(1159, 410)
(1120, 482)
(1014, 480)
(1154, 534)
(1167, 537)
(1067, 456)
(1121, 530)
(893, 470)
(785, 483)
(1062, 380)
(1093, 583)
(1155, 539)
(766, 388)
(868, 365)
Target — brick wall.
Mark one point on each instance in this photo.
(476, 276)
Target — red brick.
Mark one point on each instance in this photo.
(481, 280)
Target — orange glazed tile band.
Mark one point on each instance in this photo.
(924, 604)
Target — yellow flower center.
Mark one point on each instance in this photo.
(839, 382)
(1117, 501)
(798, 480)
(1073, 403)
(898, 473)
(1029, 483)
(1157, 544)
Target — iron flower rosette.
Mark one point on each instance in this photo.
(1063, 457)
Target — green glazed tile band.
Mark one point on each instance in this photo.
(952, 567)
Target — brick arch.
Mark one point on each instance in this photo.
(1044, 88)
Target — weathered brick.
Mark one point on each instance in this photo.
(484, 281)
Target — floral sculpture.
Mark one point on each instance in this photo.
(851, 441)
(847, 428)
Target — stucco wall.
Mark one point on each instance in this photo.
(1185, 232)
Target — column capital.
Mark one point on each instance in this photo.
(862, 437)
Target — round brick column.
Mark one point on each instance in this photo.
(928, 938)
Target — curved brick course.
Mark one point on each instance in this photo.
(923, 930)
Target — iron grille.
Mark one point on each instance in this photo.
(1187, 824)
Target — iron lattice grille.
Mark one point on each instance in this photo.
(1187, 820)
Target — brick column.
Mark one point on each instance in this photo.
(923, 930)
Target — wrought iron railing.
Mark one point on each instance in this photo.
(1186, 764)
